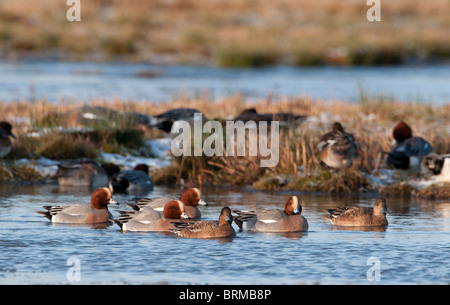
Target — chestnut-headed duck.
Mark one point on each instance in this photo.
(149, 220)
(407, 151)
(5, 141)
(208, 228)
(191, 198)
(82, 173)
(287, 220)
(96, 212)
(250, 114)
(338, 148)
(359, 216)
(131, 180)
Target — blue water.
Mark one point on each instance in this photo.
(414, 248)
(83, 81)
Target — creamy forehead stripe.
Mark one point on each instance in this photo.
(295, 200)
(181, 205)
(197, 191)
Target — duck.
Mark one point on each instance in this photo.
(359, 216)
(273, 220)
(136, 179)
(149, 220)
(96, 212)
(407, 151)
(191, 198)
(165, 121)
(250, 114)
(338, 148)
(5, 141)
(82, 173)
(207, 228)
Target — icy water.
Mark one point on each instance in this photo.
(413, 249)
(83, 81)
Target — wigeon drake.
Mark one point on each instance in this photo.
(287, 220)
(407, 151)
(359, 216)
(130, 180)
(149, 220)
(208, 228)
(338, 148)
(5, 141)
(191, 199)
(96, 212)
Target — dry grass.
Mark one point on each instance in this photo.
(370, 121)
(227, 32)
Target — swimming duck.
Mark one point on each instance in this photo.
(149, 220)
(96, 212)
(338, 148)
(5, 141)
(407, 151)
(136, 179)
(359, 216)
(81, 173)
(208, 228)
(191, 199)
(274, 220)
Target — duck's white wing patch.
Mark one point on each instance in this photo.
(145, 222)
(268, 220)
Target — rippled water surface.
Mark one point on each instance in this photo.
(414, 248)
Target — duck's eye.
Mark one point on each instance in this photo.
(104, 195)
(194, 195)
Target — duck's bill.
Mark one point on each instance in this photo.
(112, 201)
(185, 216)
(202, 202)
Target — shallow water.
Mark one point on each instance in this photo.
(83, 81)
(414, 248)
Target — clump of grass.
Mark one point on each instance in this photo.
(19, 173)
(270, 183)
(348, 180)
(165, 176)
(399, 189)
(435, 191)
(63, 147)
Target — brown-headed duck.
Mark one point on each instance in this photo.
(277, 220)
(96, 212)
(407, 151)
(191, 198)
(149, 220)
